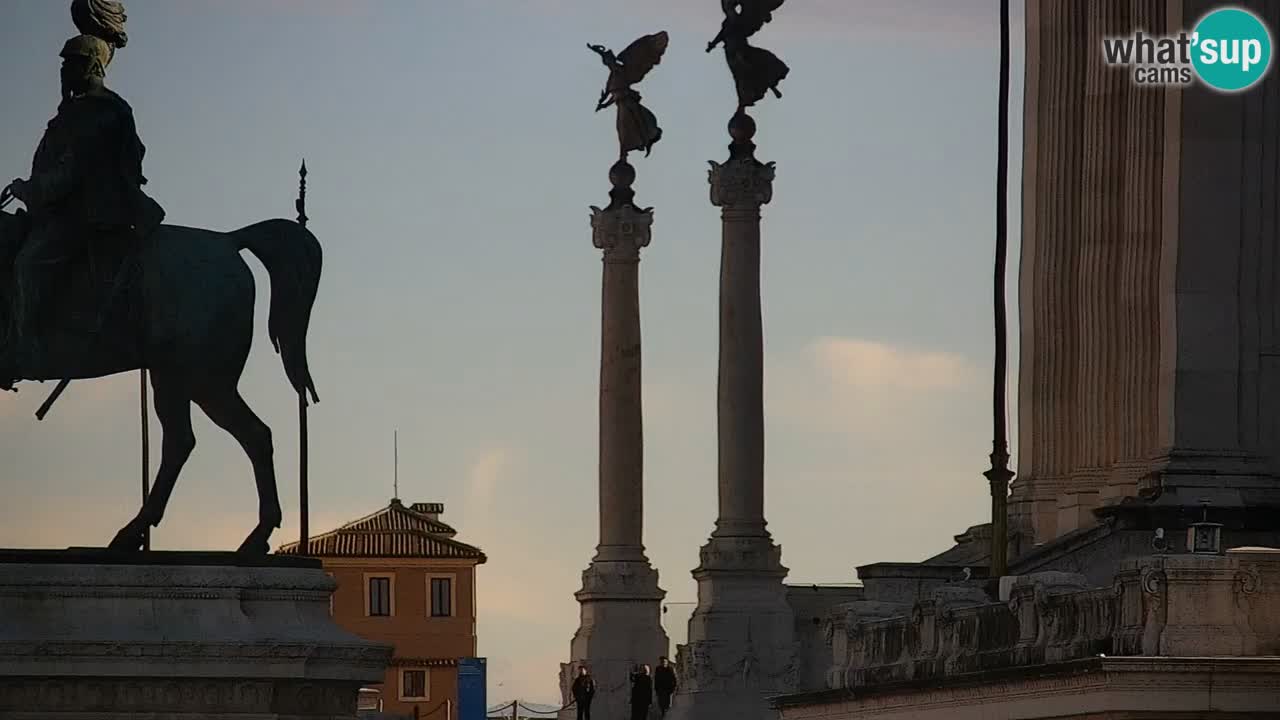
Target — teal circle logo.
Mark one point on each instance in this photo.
(1231, 49)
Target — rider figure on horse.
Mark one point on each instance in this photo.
(86, 185)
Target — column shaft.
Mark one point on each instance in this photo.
(621, 429)
(740, 397)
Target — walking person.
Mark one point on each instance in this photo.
(584, 690)
(641, 693)
(664, 684)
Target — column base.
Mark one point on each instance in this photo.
(741, 529)
(742, 648)
(1235, 488)
(631, 554)
(620, 627)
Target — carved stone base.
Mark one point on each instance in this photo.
(742, 648)
(621, 627)
(120, 639)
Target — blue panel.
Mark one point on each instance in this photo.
(472, 695)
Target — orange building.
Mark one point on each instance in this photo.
(404, 580)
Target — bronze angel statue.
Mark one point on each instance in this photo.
(637, 126)
(756, 71)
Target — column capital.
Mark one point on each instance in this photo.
(621, 231)
(741, 183)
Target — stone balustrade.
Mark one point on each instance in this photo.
(1163, 606)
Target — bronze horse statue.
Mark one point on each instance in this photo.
(185, 314)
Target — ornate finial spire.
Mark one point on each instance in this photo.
(301, 202)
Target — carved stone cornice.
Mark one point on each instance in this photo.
(147, 581)
(206, 697)
(145, 622)
(170, 653)
(621, 232)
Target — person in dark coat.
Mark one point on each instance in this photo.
(641, 693)
(664, 684)
(584, 690)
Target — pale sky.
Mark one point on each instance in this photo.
(453, 155)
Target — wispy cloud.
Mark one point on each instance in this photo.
(483, 479)
(523, 616)
(872, 427)
(869, 365)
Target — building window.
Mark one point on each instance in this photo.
(413, 685)
(441, 597)
(379, 596)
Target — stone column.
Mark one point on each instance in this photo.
(620, 232)
(739, 188)
(621, 603)
(742, 647)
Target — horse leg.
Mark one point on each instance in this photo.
(230, 412)
(173, 408)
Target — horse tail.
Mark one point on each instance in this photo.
(293, 258)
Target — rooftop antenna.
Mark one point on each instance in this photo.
(395, 460)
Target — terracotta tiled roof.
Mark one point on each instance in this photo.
(396, 516)
(395, 531)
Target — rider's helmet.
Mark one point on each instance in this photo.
(99, 52)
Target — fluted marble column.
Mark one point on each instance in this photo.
(620, 601)
(742, 647)
(1094, 200)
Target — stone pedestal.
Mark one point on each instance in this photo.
(621, 613)
(742, 647)
(621, 627)
(174, 636)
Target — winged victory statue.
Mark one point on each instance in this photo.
(637, 126)
(756, 71)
